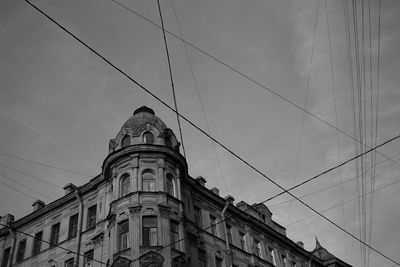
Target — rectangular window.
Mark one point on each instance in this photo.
(91, 217)
(54, 235)
(37, 243)
(6, 255)
(88, 258)
(124, 235)
(272, 256)
(258, 249)
(21, 250)
(149, 233)
(73, 226)
(197, 217)
(69, 263)
(242, 241)
(218, 262)
(229, 233)
(174, 234)
(213, 222)
(202, 258)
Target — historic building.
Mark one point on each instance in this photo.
(145, 210)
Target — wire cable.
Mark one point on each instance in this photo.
(209, 136)
(249, 78)
(30, 175)
(199, 97)
(23, 185)
(16, 189)
(171, 78)
(44, 164)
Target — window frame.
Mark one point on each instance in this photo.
(174, 234)
(145, 138)
(202, 258)
(213, 225)
(124, 184)
(21, 251)
(37, 243)
(54, 235)
(243, 243)
(88, 257)
(170, 185)
(123, 235)
(91, 217)
(149, 231)
(73, 226)
(68, 263)
(5, 260)
(148, 181)
(197, 216)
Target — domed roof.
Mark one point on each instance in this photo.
(142, 116)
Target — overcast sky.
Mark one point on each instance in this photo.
(60, 104)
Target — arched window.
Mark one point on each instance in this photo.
(125, 184)
(126, 141)
(170, 185)
(148, 138)
(148, 181)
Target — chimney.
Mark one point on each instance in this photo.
(6, 219)
(215, 191)
(201, 181)
(38, 204)
(301, 244)
(230, 199)
(68, 188)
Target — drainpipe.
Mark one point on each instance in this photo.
(80, 222)
(229, 261)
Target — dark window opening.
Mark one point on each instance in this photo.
(91, 217)
(73, 226)
(55, 233)
(149, 231)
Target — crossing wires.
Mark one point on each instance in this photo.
(171, 78)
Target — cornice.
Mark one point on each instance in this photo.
(241, 215)
(141, 149)
(84, 189)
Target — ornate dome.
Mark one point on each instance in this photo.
(140, 118)
(144, 127)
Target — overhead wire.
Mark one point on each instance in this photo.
(198, 95)
(209, 136)
(32, 176)
(171, 77)
(308, 77)
(44, 164)
(336, 116)
(16, 189)
(23, 185)
(247, 77)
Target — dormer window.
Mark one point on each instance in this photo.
(126, 141)
(148, 138)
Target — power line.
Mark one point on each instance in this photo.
(30, 175)
(202, 131)
(53, 245)
(198, 95)
(16, 189)
(251, 79)
(23, 185)
(44, 164)
(171, 78)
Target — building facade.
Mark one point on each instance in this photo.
(145, 210)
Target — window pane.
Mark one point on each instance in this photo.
(149, 231)
(125, 185)
(73, 226)
(88, 257)
(21, 250)
(91, 218)
(6, 255)
(37, 243)
(148, 138)
(55, 231)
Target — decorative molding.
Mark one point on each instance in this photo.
(151, 259)
(135, 209)
(164, 210)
